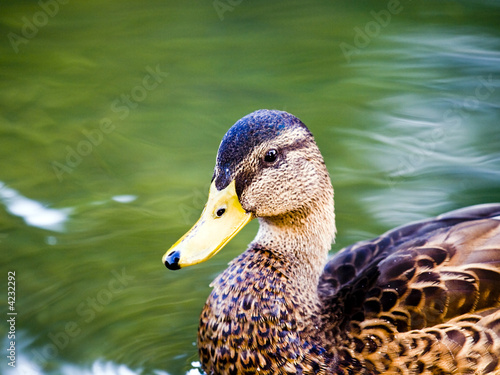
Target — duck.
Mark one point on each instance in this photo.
(423, 298)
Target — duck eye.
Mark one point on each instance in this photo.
(220, 212)
(271, 155)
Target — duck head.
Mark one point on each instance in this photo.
(268, 167)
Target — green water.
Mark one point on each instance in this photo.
(110, 118)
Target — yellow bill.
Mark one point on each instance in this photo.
(221, 219)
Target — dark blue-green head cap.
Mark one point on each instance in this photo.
(246, 135)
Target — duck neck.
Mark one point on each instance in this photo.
(301, 240)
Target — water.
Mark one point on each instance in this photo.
(111, 115)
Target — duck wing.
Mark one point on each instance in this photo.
(431, 288)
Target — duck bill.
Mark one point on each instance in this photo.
(220, 220)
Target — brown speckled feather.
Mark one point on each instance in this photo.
(421, 299)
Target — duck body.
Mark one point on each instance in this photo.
(420, 299)
(254, 322)
(417, 300)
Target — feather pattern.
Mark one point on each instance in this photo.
(421, 299)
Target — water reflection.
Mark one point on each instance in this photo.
(124, 198)
(27, 365)
(33, 213)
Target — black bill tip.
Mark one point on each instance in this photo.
(172, 260)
